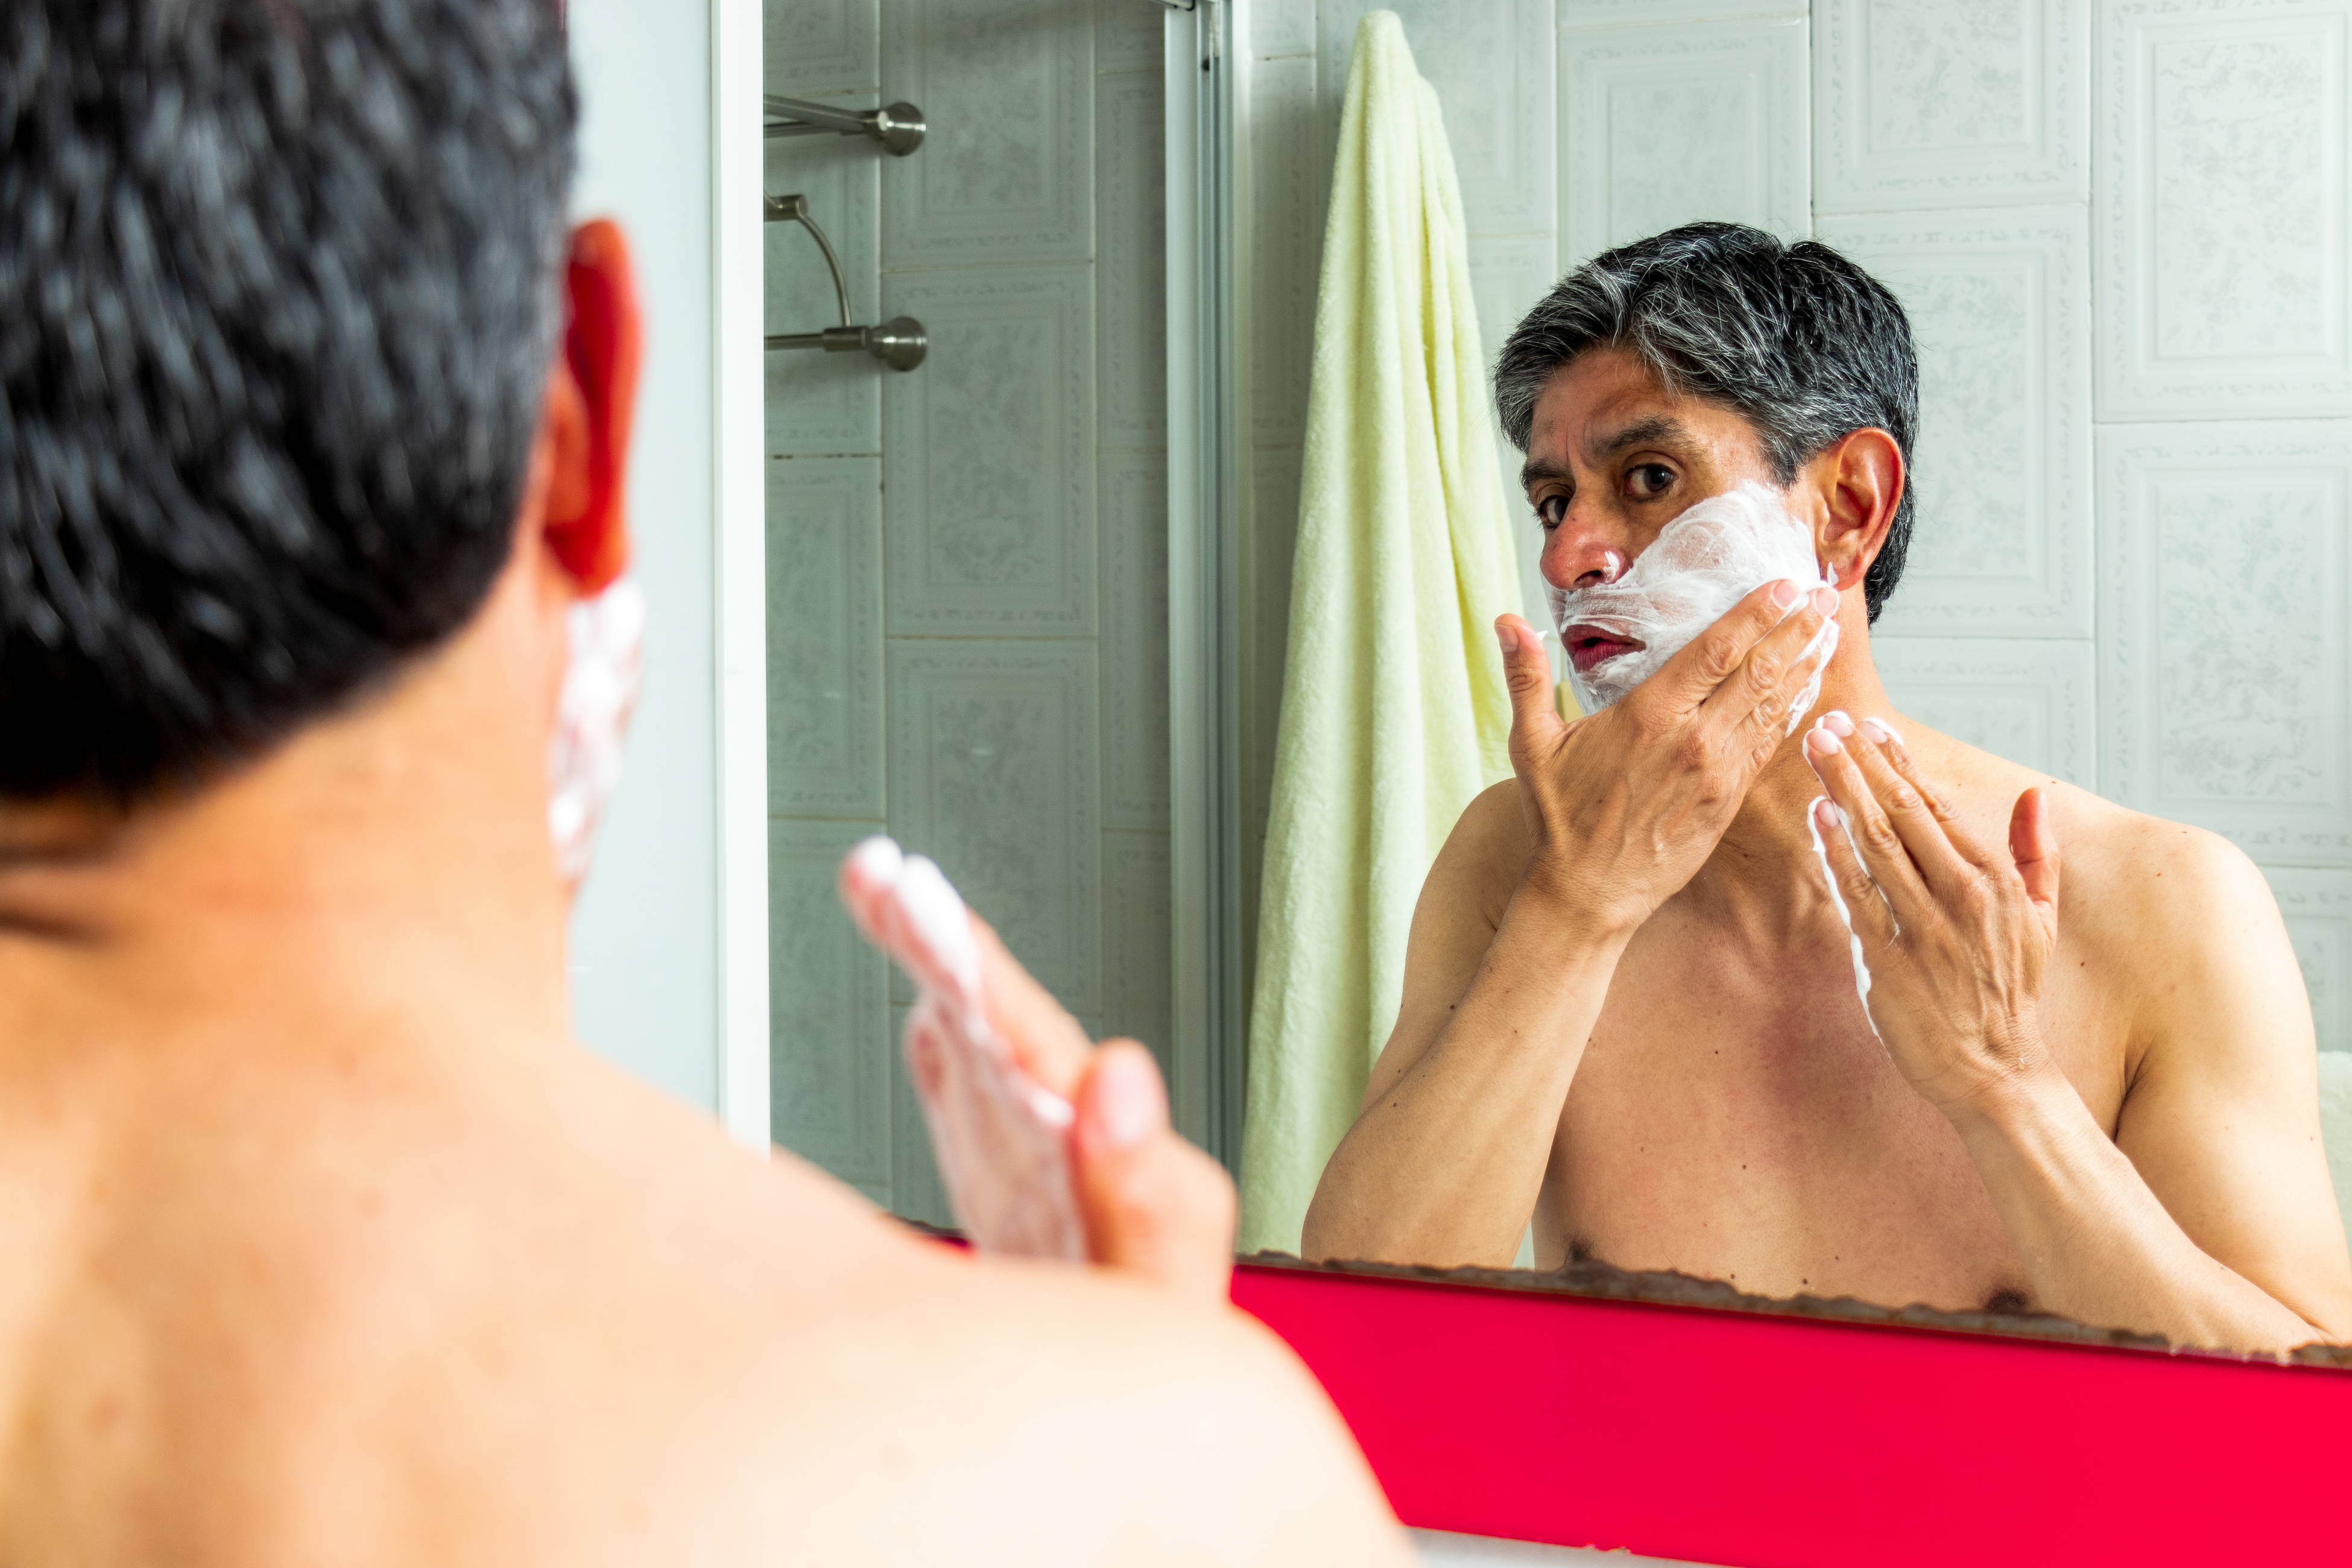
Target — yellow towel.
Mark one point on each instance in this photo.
(1394, 708)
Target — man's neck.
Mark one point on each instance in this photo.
(381, 881)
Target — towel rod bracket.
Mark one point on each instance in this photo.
(899, 342)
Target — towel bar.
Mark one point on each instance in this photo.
(900, 127)
(899, 342)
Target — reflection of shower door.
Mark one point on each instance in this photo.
(967, 563)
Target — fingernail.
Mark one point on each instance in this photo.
(1129, 1104)
(1825, 600)
(1837, 722)
(1823, 740)
(1503, 636)
(1787, 591)
(1880, 733)
(1826, 812)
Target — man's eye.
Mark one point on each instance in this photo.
(1551, 511)
(1646, 481)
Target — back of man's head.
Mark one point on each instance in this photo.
(1805, 345)
(283, 296)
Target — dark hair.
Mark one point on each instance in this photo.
(282, 282)
(1803, 344)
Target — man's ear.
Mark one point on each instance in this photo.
(1860, 479)
(592, 397)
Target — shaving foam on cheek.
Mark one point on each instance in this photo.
(1701, 564)
(602, 679)
(1837, 898)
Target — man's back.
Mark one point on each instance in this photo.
(326, 1242)
(275, 1299)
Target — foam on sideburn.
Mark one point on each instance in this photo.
(1707, 560)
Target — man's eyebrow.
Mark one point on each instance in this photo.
(1536, 468)
(1659, 428)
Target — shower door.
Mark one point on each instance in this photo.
(966, 562)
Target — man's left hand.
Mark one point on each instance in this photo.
(1956, 935)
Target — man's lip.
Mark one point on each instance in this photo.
(1590, 646)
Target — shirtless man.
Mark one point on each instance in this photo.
(1629, 1009)
(325, 1241)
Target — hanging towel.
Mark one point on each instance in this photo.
(1393, 709)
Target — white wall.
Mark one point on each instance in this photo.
(644, 954)
(2124, 232)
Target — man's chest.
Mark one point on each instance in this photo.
(1735, 1116)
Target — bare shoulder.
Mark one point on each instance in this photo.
(2157, 893)
(1150, 1429)
(1485, 856)
(899, 1400)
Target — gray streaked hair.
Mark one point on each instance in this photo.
(1795, 338)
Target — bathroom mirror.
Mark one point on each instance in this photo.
(999, 582)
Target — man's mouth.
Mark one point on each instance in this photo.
(1588, 646)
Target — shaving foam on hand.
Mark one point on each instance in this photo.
(1706, 561)
(1837, 898)
(1000, 1135)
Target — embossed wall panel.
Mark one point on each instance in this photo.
(915, 1189)
(810, 47)
(2030, 702)
(1137, 939)
(988, 465)
(1278, 27)
(829, 1025)
(1130, 265)
(1289, 195)
(820, 404)
(2223, 588)
(2225, 208)
(1935, 103)
(994, 774)
(1135, 640)
(2318, 909)
(1006, 172)
(1595, 13)
(2000, 311)
(1666, 125)
(824, 638)
(1509, 274)
(1127, 36)
(1491, 65)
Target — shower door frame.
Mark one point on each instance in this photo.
(1205, 182)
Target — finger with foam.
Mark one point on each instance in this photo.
(998, 1133)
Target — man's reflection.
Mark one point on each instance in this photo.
(1630, 1007)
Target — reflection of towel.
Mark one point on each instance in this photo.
(2336, 1128)
(1394, 708)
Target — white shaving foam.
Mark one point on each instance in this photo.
(1702, 563)
(1837, 898)
(602, 679)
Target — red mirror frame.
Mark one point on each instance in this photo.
(1728, 1438)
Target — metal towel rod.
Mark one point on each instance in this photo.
(900, 127)
(899, 342)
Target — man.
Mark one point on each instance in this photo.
(325, 1242)
(1631, 1008)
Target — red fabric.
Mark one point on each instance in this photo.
(1764, 1442)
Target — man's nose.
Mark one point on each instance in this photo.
(1582, 557)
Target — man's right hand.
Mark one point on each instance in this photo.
(1624, 805)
